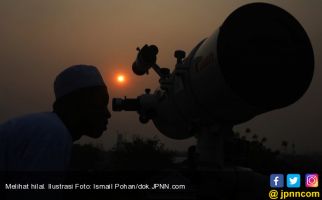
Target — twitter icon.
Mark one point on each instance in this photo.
(293, 180)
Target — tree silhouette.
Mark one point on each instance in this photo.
(141, 154)
(247, 130)
(255, 137)
(263, 140)
(284, 145)
(86, 157)
(293, 149)
(252, 153)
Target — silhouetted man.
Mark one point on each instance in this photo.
(43, 141)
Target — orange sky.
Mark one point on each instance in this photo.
(40, 38)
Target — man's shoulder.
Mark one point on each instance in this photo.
(45, 122)
(42, 118)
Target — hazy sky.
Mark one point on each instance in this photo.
(40, 38)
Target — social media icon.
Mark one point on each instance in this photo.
(277, 180)
(311, 180)
(293, 180)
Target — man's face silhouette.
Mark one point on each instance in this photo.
(85, 111)
(94, 112)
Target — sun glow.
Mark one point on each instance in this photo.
(120, 78)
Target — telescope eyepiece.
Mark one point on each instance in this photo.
(125, 104)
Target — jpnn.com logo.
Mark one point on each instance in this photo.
(293, 181)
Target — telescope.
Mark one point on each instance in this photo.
(260, 59)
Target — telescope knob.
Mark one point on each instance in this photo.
(179, 54)
(165, 72)
(147, 91)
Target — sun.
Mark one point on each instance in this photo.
(120, 78)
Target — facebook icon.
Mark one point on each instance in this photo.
(277, 180)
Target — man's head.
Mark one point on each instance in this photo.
(81, 101)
